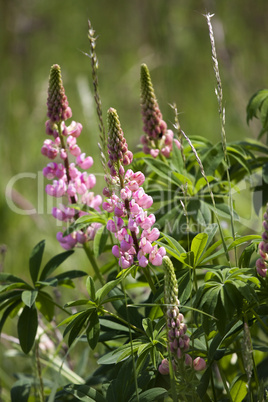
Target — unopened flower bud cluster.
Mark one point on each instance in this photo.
(157, 138)
(178, 340)
(262, 262)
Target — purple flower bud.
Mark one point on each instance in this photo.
(164, 367)
(188, 360)
(199, 364)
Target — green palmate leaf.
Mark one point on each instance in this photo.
(151, 395)
(100, 240)
(255, 103)
(27, 328)
(102, 292)
(54, 264)
(161, 169)
(76, 326)
(81, 302)
(244, 239)
(199, 211)
(45, 305)
(173, 243)
(91, 287)
(245, 256)
(5, 277)
(20, 391)
(212, 159)
(84, 393)
(93, 330)
(223, 210)
(7, 313)
(68, 275)
(176, 159)
(202, 182)
(110, 323)
(36, 259)
(264, 114)
(28, 297)
(239, 389)
(184, 180)
(5, 290)
(148, 327)
(198, 246)
(100, 218)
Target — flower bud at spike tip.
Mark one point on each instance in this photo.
(157, 139)
(57, 104)
(262, 263)
(171, 286)
(154, 126)
(117, 146)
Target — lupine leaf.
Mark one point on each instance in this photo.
(76, 326)
(8, 312)
(5, 277)
(198, 246)
(84, 393)
(20, 391)
(239, 389)
(36, 259)
(242, 240)
(54, 263)
(90, 286)
(102, 292)
(161, 169)
(151, 395)
(255, 103)
(28, 297)
(93, 330)
(27, 327)
(176, 159)
(45, 305)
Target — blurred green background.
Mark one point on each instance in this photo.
(170, 36)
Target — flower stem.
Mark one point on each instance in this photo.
(93, 262)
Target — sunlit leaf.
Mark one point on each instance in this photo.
(28, 297)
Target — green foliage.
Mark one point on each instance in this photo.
(32, 298)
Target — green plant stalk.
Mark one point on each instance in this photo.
(39, 373)
(211, 375)
(219, 94)
(131, 345)
(211, 195)
(224, 382)
(172, 377)
(93, 262)
(253, 360)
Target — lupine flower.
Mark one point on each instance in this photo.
(261, 263)
(132, 225)
(157, 138)
(68, 180)
(178, 340)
